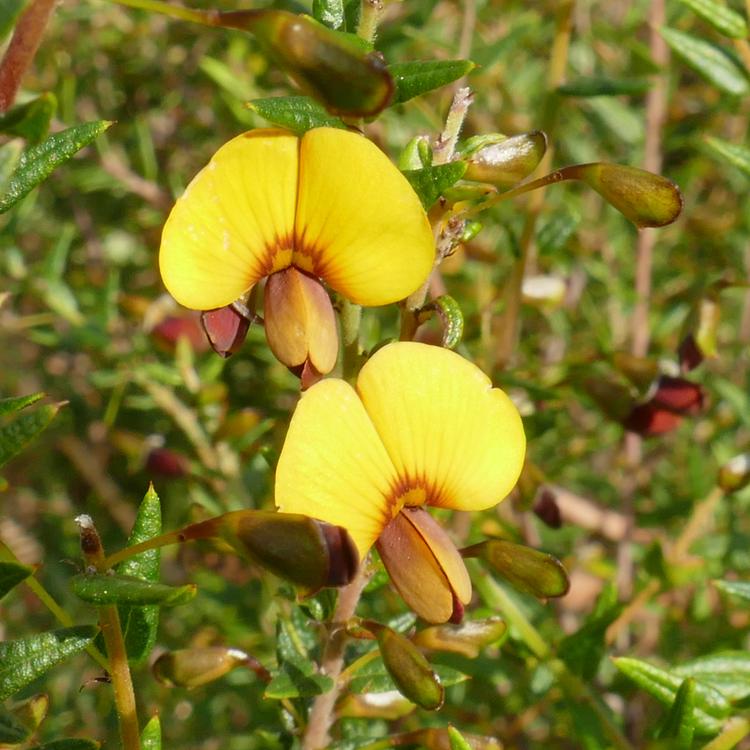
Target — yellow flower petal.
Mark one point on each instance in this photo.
(333, 466)
(234, 223)
(359, 226)
(444, 426)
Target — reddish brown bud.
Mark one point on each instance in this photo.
(167, 463)
(174, 327)
(650, 419)
(225, 328)
(678, 395)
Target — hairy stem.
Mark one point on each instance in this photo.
(27, 37)
(109, 621)
(316, 735)
(371, 13)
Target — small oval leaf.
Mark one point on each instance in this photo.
(104, 589)
(23, 429)
(738, 156)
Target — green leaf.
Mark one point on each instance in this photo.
(738, 156)
(11, 574)
(297, 680)
(558, 229)
(151, 735)
(10, 10)
(740, 589)
(373, 677)
(139, 624)
(72, 744)
(711, 707)
(10, 155)
(296, 113)
(592, 86)
(451, 318)
(38, 162)
(23, 429)
(9, 405)
(420, 76)
(679, 726)
(23, 660)
(457, 739)
(430, 182)
(725, 20)
(329, 12)
(99, 588)
(30, 120)
(727, 671)
(12, 731)
(710, 61)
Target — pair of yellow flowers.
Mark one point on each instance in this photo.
(423, 426)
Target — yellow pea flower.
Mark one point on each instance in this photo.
(423, 426)
(328, 205)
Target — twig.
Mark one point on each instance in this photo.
(27, 37)
(322, 713)
(656, 112)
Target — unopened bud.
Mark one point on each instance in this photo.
(735, 473)
(226, 329)
(645, 198)
(192, 667)
(503, 161)
(468, 638)
(388, 706)
(526, 569)
(410, 670)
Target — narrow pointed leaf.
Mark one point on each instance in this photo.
(740, 589)
(38, 162)
(738, 156)
(679, 726)
(417, 77)
(430, 182)
(525, 568)
(11, 574)
(710, 61)
(604, 87)
(296, 113)
(139, 624)
(10, 405)
(10, 10)
(725, 20)
(23, 429)
(451, 318)
(297, 681)
(22, 661)
(151, 734)
(10, 155)
(102, 589)
(727, 671)
(711, 707)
